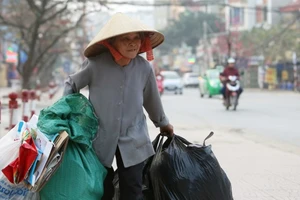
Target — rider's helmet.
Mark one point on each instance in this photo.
(230, 60)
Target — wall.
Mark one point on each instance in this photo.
(3, 77)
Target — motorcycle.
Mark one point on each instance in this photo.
(232, 89)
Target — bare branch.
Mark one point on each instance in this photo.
(45, 60)
(44, 4)
(28, 19)
(54, 41)
(51, 17)
(56, 13)
(34, 8)
(45, 67)
(278, 35)
(53, 6)
(23, 37)
(5, 22)
(11, 40)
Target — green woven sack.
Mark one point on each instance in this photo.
(80, 175)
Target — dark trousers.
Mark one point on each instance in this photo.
(130, 181)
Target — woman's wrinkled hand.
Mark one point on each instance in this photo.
(167, 130)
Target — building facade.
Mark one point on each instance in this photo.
(243, 15)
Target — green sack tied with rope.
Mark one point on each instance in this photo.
(81, 175)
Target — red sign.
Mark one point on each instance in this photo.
(11, 57)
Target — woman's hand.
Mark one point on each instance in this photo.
(223, 78)
(167, 130)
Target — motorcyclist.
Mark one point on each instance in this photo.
(230, 70)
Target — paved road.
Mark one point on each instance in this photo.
(269, 117)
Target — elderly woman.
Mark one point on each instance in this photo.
(120, 84)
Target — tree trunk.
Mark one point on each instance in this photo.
(27, 72)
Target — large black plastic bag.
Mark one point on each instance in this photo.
(180, 170)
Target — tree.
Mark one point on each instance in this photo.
(274, 43)
(39, 28)
(188, 29)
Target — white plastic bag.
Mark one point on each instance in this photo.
(10, 191)
(10, 144)
(9, 151)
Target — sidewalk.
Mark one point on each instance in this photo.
(43, 103)
(4, 91)
(256, 170)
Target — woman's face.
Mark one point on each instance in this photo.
(128, 44)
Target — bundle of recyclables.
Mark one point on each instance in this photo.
(80, 174)
(28, 160)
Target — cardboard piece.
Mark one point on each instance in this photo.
(50, 161)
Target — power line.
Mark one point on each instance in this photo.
(202, 3)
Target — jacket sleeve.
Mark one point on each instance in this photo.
(152, 102)
(79, 80)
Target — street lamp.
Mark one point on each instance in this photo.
(294, 57)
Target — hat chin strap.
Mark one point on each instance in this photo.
(117, 56)
(147, 47)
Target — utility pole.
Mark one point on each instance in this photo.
(295, 72)
(205, 55)
(229, 43)
(227, 28)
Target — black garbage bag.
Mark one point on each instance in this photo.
(181, 170)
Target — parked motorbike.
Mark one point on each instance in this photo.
(232, 88)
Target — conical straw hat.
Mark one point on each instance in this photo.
(120, 24)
